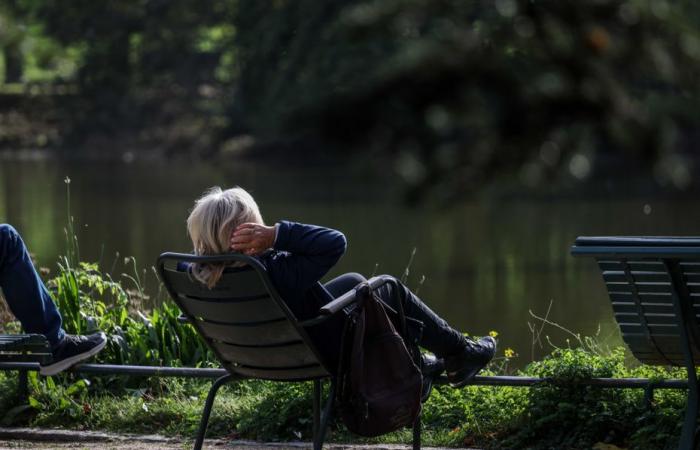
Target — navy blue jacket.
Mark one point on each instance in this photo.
(301, 256)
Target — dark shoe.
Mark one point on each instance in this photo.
(72, 350)
(430, 368)
(463, 367)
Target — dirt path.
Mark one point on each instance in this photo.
(42, 439)
(7, 445)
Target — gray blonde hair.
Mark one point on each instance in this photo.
(212, 221)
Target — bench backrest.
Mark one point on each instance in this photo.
(654, 287)
(242, 319)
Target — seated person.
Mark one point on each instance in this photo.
(296, 257)
(31, 303)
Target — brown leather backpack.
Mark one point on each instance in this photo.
(379, 383)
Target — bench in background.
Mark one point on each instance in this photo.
(654, 287)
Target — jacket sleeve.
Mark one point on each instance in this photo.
(307, 253)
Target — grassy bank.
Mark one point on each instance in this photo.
(560, 415)
(556, 416)
(553, 416)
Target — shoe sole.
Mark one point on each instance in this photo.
(63, 364)
(469, 377)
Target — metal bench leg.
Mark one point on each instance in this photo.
(686, 328)
(317, 407)
(325, 418)
(23, 385)
(690, 423)
(207, 409)
(417, 432)
(687, 441)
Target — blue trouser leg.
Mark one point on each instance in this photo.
(24, 291)
(437, 335)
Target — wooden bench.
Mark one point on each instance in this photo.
(654, 288)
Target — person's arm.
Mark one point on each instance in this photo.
(311, 250)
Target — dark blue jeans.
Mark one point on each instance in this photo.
(436, 334)
(26, 295)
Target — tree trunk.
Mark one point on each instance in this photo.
(14, 67)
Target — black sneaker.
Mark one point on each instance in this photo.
(463, 367)
(72, 350)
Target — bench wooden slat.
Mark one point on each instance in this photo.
(641, 287)
(26, 357)
(301, 373)
(243, 285)
(648, 308)
(620, 276)
(650, 318)
(656, 330)
(20, 339)
(264, 309)
(691, 277)
(635, 266)
(261, 335)
(288, 355)
(646, 297)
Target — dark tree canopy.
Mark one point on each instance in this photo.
(464, 92)
(456, 94)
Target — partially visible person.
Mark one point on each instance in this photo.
(32, 305)
(296, 257)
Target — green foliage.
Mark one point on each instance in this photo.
(90, 300)
(36, 57)
(573, 415)
(456, 94)
(275, 411)
(132, 43)
(461, 93)
(566, 414)
(561, 414)
(66, 401)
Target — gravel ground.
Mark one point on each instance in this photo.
(6, 445)
(42, 439)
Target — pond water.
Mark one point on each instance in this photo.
(486, 262)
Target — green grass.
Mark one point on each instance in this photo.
(561, 415)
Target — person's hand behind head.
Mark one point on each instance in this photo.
(252, 238)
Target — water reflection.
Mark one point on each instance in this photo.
(486, 263)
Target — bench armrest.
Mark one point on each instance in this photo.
(344, 301)
(351, 297)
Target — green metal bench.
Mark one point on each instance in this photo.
(252, 331)
(24, 348)
(654, 287)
